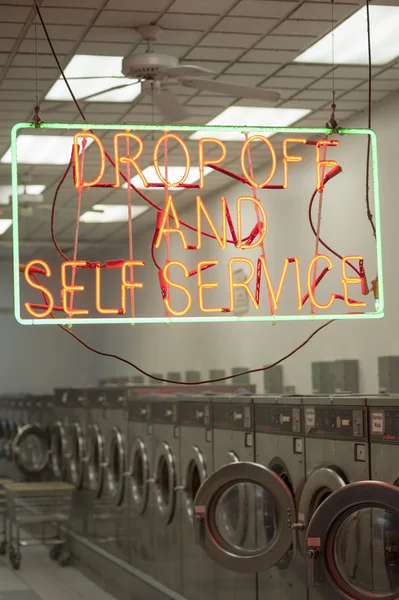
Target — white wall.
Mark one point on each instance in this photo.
(204, 346)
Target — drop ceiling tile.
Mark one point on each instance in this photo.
(61, 46)
(381, 84)
(21, 84)
(291, 83)
(138, 5)
(14, 14)
(104, 48)
(29, 60)
(44, 74)
(204, 53)
(216, 100)
(247, 25)
(357, 72)
(324, 95)
(228, 40)
(296, 27)
(3, 58)
(285, 42)
(362, 95)
(298, 70)
(279, 57)
(388, 74)
(255, 8)
(302, 103)
(116, 35)
(7, 44)
(124, 18)
(72, 3)
(68, 16)
(340, 84)
(10, 30)
(178, 37)
(322, 11)
(206, 7)
(243, 68)
(188, 22)
(353, 105)
(177, 51)
(58, 32)
(246, 80)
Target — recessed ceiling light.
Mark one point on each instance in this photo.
(4, 225)
(174, 174)
(90, 74)
(248, 116)
(31, 190)
(350, 40)
(42, 150)
(111, 213)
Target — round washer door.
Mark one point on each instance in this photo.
(269, 495)
(139, 477)
(353, 543)
(116, 465)
(59, 450)
(194, 476)
(95, 460)
(77, 449)
(30, 450)
(165, 482)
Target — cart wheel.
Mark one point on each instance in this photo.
(16, 561)
(65, 558)
(3, 548)
(55, 552)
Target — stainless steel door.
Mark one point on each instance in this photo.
(31, 451)
(95, 460)
(116, 465)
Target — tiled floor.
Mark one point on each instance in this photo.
(41, 579)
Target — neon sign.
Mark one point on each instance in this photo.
(235, 230)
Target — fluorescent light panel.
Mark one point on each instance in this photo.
(43, 150)
(175, 173)
(4, 225)
(31, 190)
(111, 213)
(246, 116)
(350, 40)
(90, 74)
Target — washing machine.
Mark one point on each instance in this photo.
(196, 463)
(280, 446)
(141, 514)
(31, 446)
(166, 498)
(234, 520)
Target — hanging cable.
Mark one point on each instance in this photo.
(370, 215)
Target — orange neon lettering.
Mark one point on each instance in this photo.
(103, 311)
(323, 163)
(239, 223)
(222, 241)
(203, 286)
(350, 280)
(79, 184)
(310, 285)
(177, 286)
(171, 136)
(275, 297)
(241, 284)
(289, 158)
(69, 310)
(41, 288)
(131, 285)
(273, 155)
(128, 159)
(170, 210)
(213, 161)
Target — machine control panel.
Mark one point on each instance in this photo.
(232, 416)
(271, 418)
(164, 411)
(195, 414)
(384, 425)
(336, 422)
(140, 411)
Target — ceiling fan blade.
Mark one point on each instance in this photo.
(170, 106)
(187, 71)
(231, 89)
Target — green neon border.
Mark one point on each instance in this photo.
(378, 314)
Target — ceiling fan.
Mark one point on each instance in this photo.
(157, 71)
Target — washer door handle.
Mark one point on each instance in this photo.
(179, 488)
(199, 528)
(311, 557)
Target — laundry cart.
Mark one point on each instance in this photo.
(3, 516)
(46, 507)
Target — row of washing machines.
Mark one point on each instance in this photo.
(224, 496)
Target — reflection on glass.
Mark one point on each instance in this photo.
(366, 551)
(33, 453)
(138, 477)
(247, 517)
(163, 481)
